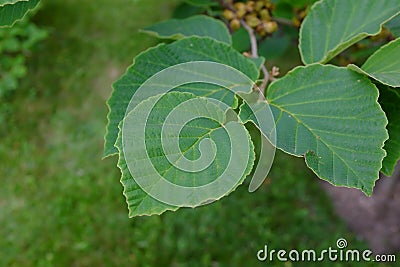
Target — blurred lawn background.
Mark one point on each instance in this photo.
(62, 205)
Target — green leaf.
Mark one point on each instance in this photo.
(389, 99)
(202, 3)
(384, 64)
(274, 46)
(287, 8)
(284, 9)
(333, 25)
(163, 56)
(184, 10)
(258, 61)
(241, 40)
(203, 26)
(394, 26)
(148, 156)
(331, 116)
(11, 11)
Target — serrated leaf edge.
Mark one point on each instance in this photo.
(292, 73)
(113, 91)
(175, 208)
(19, 19)
(107, 153)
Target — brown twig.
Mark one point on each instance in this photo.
(284, 21)
(254, 47)
(253, 39)
(254, 54)
(265, 79)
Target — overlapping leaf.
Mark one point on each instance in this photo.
(11, 11)
(331, 116)
(333, 25)
(389, 99)
(200, 25)
(394, 26)
(141, 203)
(384, 64)
(163, 56)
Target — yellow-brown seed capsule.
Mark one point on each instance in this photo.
(234, 24)
(239, 6)
(252, 20)
(296, 22)
(270, 26)
(241, 13)
(228, 14)
(270, 6)
(302, 14)
(259, 5)
(260, 30)
(264, 15)
(250, 6)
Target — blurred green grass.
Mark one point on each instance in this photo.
(61, 205)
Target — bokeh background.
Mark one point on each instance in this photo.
(62, 205)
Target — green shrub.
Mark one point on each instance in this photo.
(16, 44)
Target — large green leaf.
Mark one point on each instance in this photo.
(384, 64)
(145, 157)
(333, 25)
(331, 116)
(394, 26)
(11, 11)
(200, 25)
(161, 57)
(389, 99)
